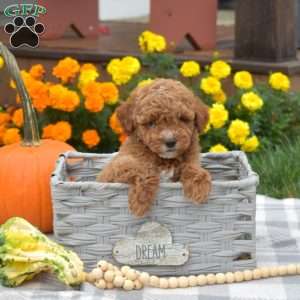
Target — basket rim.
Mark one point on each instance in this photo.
(251, 179)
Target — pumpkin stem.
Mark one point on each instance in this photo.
(31, 130)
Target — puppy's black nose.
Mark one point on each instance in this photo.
(170, 143)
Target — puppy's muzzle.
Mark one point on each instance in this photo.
(170, 143)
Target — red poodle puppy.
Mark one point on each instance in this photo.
(163, 120)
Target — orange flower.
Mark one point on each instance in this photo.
(94, 101)
(122, 138)
(66, 69)
(37, 71)
(115, 124)
(39, 93)
(91, 138)
(11, 135)
(2, 131)
(61, 131)
(110, 92)
(4, 118)
(88, 66)
(62, 98)
(17, 117)
(94, 104)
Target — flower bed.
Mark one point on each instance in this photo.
(78, 108)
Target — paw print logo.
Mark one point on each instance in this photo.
(24, 31)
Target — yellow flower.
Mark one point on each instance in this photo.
(220, 97)
(190, 68)
(11, 135)
(252, 101)
(123, 69)
(66, 69)
(115, 124)
(151, 42)
(61, 131)
(1, 62)
(210, 85)
(220, 69)
(279, 81)
(91, 138)
(131, 64)
(37, 71)
(238, 131)
(218, 115)
(109, 92)
(207, 128)
(218, 148)
(243, 80)
(251, 144)
(87, 76)
(145, 82)
(17, 117)
(63, 99)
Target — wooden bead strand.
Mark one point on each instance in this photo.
(108, 276)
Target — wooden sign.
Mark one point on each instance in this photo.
(152, 246)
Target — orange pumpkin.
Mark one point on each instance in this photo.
(25, 169)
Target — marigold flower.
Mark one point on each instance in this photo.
(251, 144)
(210, 85)
(218, 148)
(109, 92)
(66, 69)
(94, 101)
(145, 82)
(252, 101)
(131, 64)
(37, 71)
(220, 69)
(190, 69)
(123, 69)
(243, 80)
(88, 66)
(115, 124)
(17, 117)
(62, 98)
(86, 76)
(2, 131)
(4, 118)
(61, 131)
(220, 97)
(238, 131)
(11, 135)
(94, 104)
(279, 81)
(151, 42)
(1, 62)
(91, 138)
(218, 115)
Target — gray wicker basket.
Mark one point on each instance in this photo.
(92, 217)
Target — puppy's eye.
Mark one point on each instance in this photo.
(151, 124)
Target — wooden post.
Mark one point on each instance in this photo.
(265, 30)
(81, 16)
(191, 19)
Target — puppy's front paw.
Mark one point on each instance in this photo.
(142, 194)
(197, 185)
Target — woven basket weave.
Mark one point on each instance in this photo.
(91, 217)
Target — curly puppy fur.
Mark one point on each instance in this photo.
(162, 120)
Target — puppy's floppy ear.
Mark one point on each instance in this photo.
(201, 115)
(124, 115)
